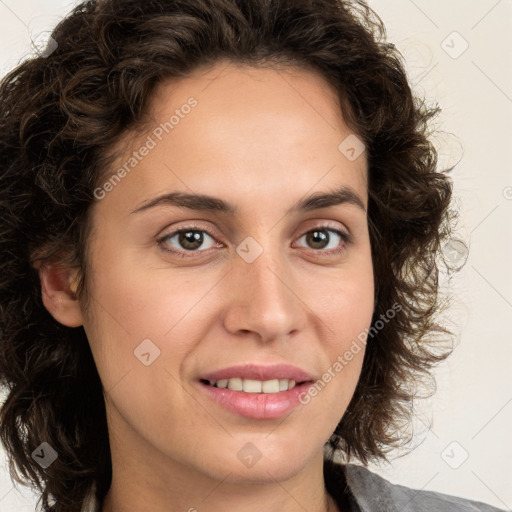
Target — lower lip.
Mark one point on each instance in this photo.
(258, 405)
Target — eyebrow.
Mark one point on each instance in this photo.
(201, 202)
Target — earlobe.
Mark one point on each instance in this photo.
(58, 289)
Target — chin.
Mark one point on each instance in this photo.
(258, 460)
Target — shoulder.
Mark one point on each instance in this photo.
(374, 493)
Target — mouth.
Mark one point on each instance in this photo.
(252, 401)
(256, 391)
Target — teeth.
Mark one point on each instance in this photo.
(252, 386)
(255, 386)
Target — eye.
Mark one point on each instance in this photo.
(188, 239)
(325, 237)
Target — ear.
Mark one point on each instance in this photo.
(58, 289)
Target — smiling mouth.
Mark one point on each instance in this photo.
(257, 399)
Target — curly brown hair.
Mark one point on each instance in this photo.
(63, 112)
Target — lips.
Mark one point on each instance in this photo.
(260, 372)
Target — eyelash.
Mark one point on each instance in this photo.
(346, 238)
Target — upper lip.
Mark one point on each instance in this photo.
(260, 372)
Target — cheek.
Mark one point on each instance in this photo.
(137, 299)
(347, 308)
(348, 302)
(137, 345)
(144, 324)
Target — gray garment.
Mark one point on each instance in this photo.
(372, 493)
(375, 494)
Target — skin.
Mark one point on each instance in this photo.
(261, 139)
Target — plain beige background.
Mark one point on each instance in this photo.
(457, 53)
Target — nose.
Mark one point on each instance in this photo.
(265, 298)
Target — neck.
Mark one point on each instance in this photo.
(147, 481)
(192, 492)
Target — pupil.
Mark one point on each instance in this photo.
(318, 237)
(191, 239)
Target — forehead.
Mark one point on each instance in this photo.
(232, 95)
(250, 130)
(274, 82)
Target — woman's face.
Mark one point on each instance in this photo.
(262, 278)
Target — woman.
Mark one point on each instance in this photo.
(220, 223)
